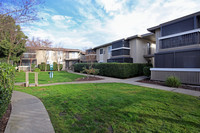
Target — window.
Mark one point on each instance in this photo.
(184, 25)
(109, 49)
(120, 43)
(198, 21)
(101, 51)
(74, 54)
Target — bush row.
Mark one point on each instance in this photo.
(7, 73)
(118, 70)
(55, 66)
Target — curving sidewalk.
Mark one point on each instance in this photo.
(28, 115)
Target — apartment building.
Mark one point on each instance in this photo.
(134, 49)
(178, 49)
(37, 55)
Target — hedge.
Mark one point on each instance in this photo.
(118, 70)
(55, 66)
(7, 73)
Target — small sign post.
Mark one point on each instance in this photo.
(51, 73)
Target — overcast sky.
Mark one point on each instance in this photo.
(88, 23)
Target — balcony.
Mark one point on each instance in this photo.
(179, 40)
(29, 56)
(120, 44)
(121, 53)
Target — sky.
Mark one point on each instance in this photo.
(82, 24)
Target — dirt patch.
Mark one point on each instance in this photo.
(41, 89)
(62, 113)
(110, 129)
(184, 86)
(89, 78)
(78, 117)
(5, 118)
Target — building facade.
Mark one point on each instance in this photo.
(36, 56)
(178, 49)
(134, 49)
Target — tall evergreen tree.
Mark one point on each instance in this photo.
(12, 39)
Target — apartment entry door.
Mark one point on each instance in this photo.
(101, 55)
(66, 65)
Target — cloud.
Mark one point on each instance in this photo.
(60, 17)
(91, 23)
(111, 6)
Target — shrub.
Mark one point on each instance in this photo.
(42, 66)
(146, 71)
(7, 73)
(55, 66)
(33, 67)
(118, 70)
(61, 66)
(37, 70)
(172, 81)
(90, 71)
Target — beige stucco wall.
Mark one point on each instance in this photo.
(157, 35)
(40, 55)
(106, 55)
(137, 50)
(97, 54)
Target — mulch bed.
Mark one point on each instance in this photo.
(5, 118)
(184, 86)
(89, 78)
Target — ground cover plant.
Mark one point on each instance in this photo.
(117, 107)
(43, 77)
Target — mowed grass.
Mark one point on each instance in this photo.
(43, 77)
(117, 107)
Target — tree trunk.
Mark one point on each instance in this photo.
(20, 61)
(58, 67)
(45, 67)
(8, 59)
(30, 64)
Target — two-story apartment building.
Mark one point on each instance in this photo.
(178, 49)
(37, 55)
(134, 49)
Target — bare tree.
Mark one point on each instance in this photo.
(20, 10)
(90, 56)
(58, 55)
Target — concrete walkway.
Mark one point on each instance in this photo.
(28, 115)
(178, 90)
(132, 81)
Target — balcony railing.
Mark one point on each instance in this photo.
(182, 40)
(29, 55)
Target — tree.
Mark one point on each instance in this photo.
(13, 12)
(90, 56)
(43, 44)
(12, 40)
(58, 55)
(20, 10)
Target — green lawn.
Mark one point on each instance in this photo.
(117, 107)
(43, 77)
